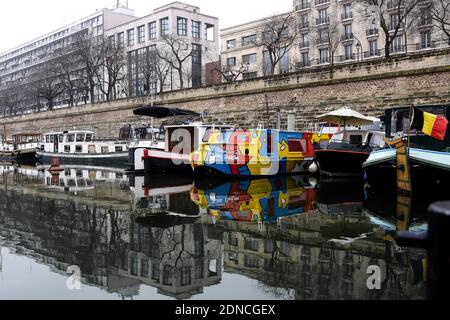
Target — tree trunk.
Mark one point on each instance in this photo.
(180, 75)
(387, 47)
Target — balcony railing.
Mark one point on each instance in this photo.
(302, 6)
(394, 4)
(392, 27)
(397, 49)
(323, 61)
(322, 41)
(319, 2)
(303, 64)
(344, 58)
(322, 20)
(426, 45)
(423, 22)
(304, 44)
(304, 25)
(348, 36)
(347, 15)
(371, 32)
(372, 54)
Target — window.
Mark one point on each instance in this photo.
(348, 52)
(231, 62)
(305, 59)
(144, 268)
(78, 149)
(231, 44)
(249, 58)
(425, 39)
(121, 40)
(232, 240)
(251, 245)
(373, 48)
(284, 61)
(88, 137)
(323, 55)
(141, 34)
(347, 11)
(267, 65)
(297, 145)
(249, 75)
(152, 30)
(394, 21)
(249, 40)
(185, 276)
(155, 272)
(182, 26)
(130, 37)
(67, 149)
(209, 32)
(71, 138)
(80, 137)
(397, 44)
(164, 27)
(196, 53)
(119, 149)
(196, 29)
(348, 32)
(304, 22)
(167, 275)
(323, 16)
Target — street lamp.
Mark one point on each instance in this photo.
(358, 47)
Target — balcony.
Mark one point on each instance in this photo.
(345, 58)
(321, 2)
(397, 49)
(372, 32)
(347, 37)
(303, 64)
(372, 54)
(323, 20)
(304, 45)
(303, 25)
(347, 15)
(425, 45)
(323, 61)
(302, 6)
(321, 41)
(394, 4)
(425, 22)
(392, 27)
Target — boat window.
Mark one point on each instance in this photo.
(297, 145)
(377, 140)
(269, 143)
(105, 149)
(61, 138)
(52, 139)
(80, 137)
(119, 148)
(67, 149)
(47, 139)
(78, 149)
(356, 139)
(125, 133)
(88, 137)
(71, 137)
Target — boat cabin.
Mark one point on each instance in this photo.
(131, 133)
(185, 139)
(78, 142)
(398, 120)
(359, 138)
(26, 141)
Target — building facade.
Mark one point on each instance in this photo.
(193, 35)
(19, 65)
(332, 32)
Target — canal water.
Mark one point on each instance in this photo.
(97, 233)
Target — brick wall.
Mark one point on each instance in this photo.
(367, 86)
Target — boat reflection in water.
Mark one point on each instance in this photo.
(149, 241)
(258, 200)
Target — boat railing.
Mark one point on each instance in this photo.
(373, 146)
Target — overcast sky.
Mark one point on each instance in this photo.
(24, 20)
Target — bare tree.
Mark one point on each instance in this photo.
(440, 13)
(391, 15)
(88, 49)
(67, 72)
(47, 85)
(231, 73)
(329, 33)
(175, 51)
(278, 34)
(111, 70)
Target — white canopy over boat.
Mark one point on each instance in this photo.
(347, 117)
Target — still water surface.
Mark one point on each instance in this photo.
(172, 238)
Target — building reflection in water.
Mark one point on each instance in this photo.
(274, 231)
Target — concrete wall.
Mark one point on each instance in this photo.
(368, 87)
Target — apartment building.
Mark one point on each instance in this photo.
(142, 38)
(18, 65)
(332, 31)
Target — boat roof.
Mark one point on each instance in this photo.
(69, 132)
(200, 125)
(163, 112)
(27, 134)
